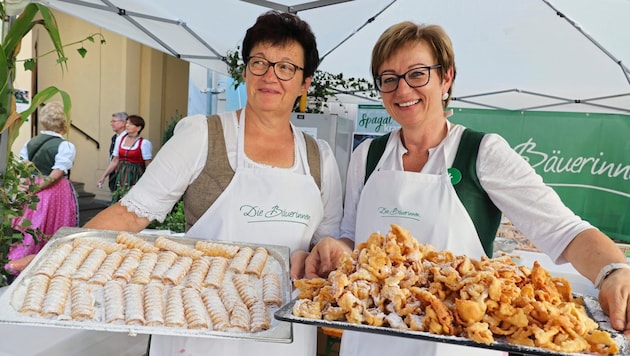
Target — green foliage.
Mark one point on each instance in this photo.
(324, 87)
(16, 190)
(175, 221)
(15, 194)
(170, 127)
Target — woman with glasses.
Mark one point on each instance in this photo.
(454, 183)
(236, 170)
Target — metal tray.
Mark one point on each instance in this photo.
(592, 306)
(11, 300)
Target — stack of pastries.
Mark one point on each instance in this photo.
(160, 283)
(394, 281)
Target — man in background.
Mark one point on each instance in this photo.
(118, 125)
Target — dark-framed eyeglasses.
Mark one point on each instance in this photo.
(415, 77)
(284, 70)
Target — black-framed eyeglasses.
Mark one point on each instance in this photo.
(283, 70)
(415, 77)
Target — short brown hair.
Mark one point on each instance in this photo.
(136, 120)
(404, 33)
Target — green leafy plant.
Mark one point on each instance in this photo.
(324, 87)
(15, 195)
(16, 191)
(175, 220)
(10, 120)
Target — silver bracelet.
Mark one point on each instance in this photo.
(607, 270)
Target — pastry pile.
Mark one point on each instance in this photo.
(394, 281)
(132, 281)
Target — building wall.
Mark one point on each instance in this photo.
(121, 75)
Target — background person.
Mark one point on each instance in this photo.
(253, 157)
(414, 68)
(53, 156)
(118, 123)
(130, 157)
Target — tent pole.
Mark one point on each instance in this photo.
(624, 69)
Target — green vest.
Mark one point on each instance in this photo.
(484, 214)
(42, 150)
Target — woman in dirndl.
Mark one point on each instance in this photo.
(132, 154)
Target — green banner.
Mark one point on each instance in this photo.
(584, 157)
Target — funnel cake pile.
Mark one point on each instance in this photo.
(394, 281)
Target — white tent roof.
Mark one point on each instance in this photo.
(520, 54)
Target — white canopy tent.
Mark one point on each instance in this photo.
(567, 55)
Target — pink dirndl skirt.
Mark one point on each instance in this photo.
(57, 207)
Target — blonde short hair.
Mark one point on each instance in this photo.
(52, 117)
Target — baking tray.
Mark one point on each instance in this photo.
(592, 306)
(11, 300)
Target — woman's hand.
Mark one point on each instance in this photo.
(325, 256)
(20, 264)
(297, 264)
(614, 296)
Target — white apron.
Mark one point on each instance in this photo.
(264, 206)
(428, 206)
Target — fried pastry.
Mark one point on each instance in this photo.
(132, 241)
(99, 243)
(176, 273)
(241, 260)
(271, 289)
(229, 294)
(257, 262)
(218, 314)
(56, 258)
(197, 273)
(177, 247)
(174, 308)
(164, 262)
(194, 309)
(56, 296)
(90, 265)
(82, 301)
(240, 319)
(245, 289)
(218, 266)
(153, 305)
(35, 294)
(74, 259)
(133, 295)
(128, 266)
(142, 275)
(107, 268)
(214, 249)
(114, 302)
(259, 317)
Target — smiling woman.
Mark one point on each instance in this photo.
(225, 163)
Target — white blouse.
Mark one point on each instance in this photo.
(183, 157)
(146, 148)
(65, 153)
(510, 182)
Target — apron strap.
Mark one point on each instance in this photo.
(484, 214)
(314, 161)
(377, 147)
